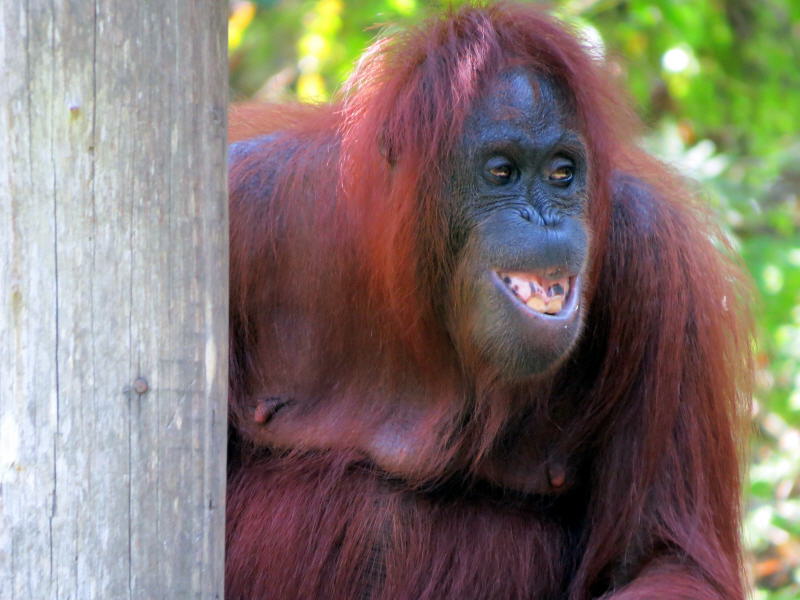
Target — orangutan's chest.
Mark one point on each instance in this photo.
(344, 532)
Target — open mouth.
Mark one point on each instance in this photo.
(547, 293)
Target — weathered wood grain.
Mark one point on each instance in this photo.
(113, 268)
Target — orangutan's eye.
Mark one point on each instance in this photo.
(561, 173)
(500, 170)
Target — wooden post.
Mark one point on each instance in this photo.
(113, 299)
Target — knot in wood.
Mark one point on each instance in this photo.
(140, 385)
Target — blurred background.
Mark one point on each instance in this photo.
(718, 84)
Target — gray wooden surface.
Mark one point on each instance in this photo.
(113, 267)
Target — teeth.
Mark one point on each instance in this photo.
(554, 306)
(546, 296)
(521, 287)
(537, 304)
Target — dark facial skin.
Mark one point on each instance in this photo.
(520, 207)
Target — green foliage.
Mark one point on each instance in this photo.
(718, 82)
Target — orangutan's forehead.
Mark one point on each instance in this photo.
(518, 103)
(519, 94)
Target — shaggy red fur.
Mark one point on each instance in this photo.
(338, 247)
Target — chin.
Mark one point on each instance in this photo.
(525, 323)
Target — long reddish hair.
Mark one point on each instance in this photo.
(340, 218)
